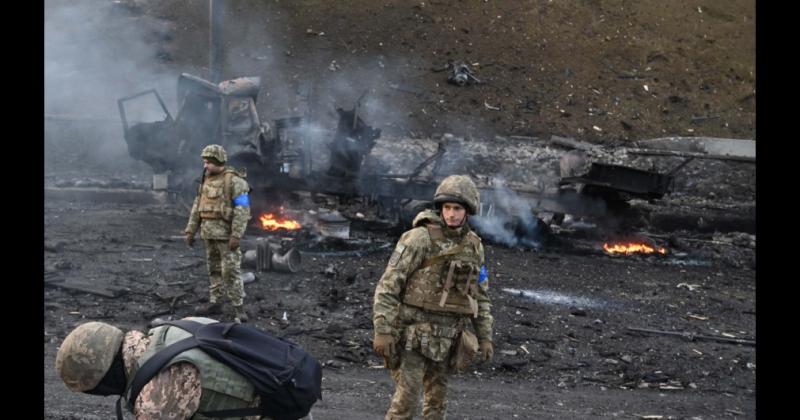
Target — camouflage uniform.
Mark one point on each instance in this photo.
(174, 393)
(406, 305)
(193, 383)
(221, 210)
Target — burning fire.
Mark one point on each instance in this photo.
(632, 248)
(269, 222)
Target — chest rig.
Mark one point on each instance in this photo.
(215, 197)
(447, 281)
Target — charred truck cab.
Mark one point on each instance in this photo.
(223, 113)
(274, 158)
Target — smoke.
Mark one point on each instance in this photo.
(95, 53)
(508, 219)
(99, 51)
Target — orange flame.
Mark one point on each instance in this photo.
(632, 248)
(269, 222)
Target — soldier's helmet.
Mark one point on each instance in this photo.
(216, 152)
(458, 189)
(86, 355)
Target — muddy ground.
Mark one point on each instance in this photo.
(599, 71)
(562, 345)
(565, 355)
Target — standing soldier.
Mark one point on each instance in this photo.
(434, 283)
(221, 211)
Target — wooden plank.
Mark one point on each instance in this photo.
(105, 291)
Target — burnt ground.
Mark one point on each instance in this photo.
(566, 355)
(563, 349)
(558, 68)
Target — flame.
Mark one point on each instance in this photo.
(269, 222)
(632, 248)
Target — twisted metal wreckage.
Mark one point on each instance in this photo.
(283, 159)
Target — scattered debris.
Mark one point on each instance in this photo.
(407, 89)
(493, 108)
(105, 291)
(691, 287)
(691, 337)
(577, 312)
(248, 277)
(462, 75)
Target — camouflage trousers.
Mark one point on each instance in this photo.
(224, 272)
(425, 352)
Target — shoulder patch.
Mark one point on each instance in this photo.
(398, 252)
(483, 275)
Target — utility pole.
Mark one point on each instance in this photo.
(215, 8)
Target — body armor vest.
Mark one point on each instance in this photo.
(448, 281)
(222, 387)
(215, 197)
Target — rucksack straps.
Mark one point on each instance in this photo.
(154, 364)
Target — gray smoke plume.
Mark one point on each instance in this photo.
(95, 53)
(508, 219)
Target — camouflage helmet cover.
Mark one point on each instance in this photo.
(86, 355)
(216, 152)
(458, 189)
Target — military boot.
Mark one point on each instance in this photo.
(211, 308)
(240, 315)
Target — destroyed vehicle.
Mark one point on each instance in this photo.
(276, 160)
(282, 162)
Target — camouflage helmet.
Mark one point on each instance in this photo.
(216, 152)
(86, 355)
(458, 189)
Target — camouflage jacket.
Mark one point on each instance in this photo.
(172, 394)
(237, 203)
(413, 248)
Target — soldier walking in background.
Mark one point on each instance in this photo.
(221, 211)
(434, 285)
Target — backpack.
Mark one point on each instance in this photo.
(287, 379)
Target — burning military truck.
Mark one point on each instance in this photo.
(394, 176)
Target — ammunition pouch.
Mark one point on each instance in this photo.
(466, 348)
(215, 200)
(431, 340)
(393, 361)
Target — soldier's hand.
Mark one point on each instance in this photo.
(383, 344)
(190, 240)
(233, 243)
(487, 351)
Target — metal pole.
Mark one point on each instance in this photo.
(215, 39)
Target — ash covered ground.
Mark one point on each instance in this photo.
(562, 312)
(562, 344)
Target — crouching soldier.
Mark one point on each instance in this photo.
(100, 359)
(434, 285)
